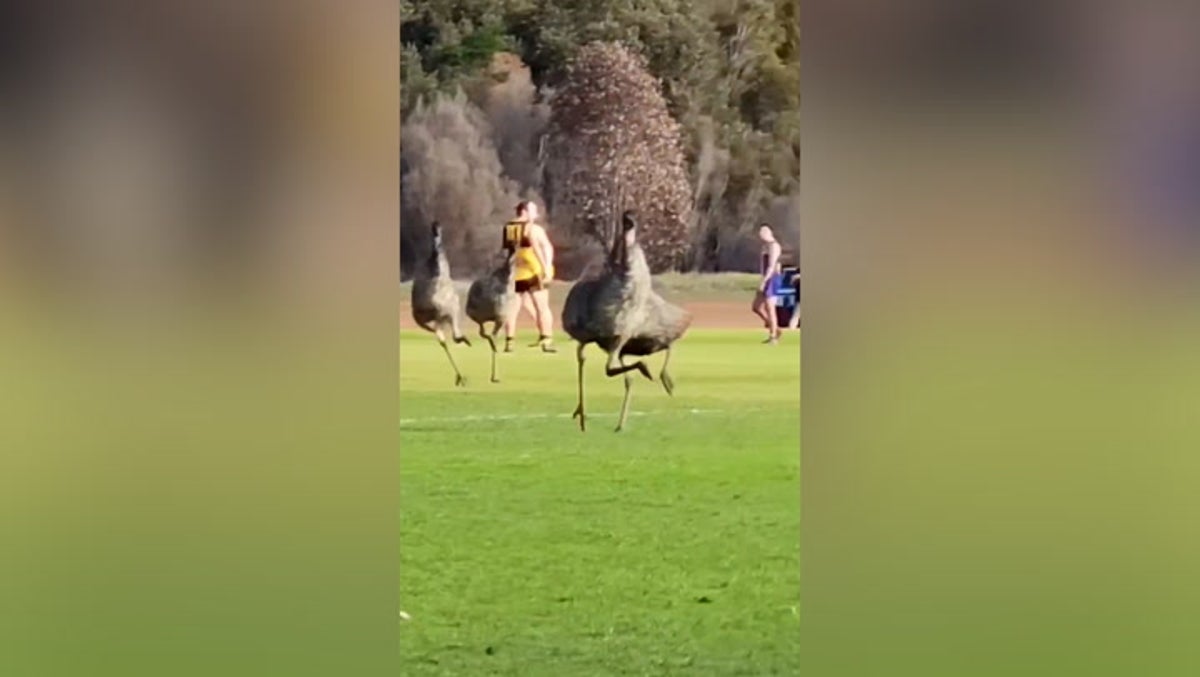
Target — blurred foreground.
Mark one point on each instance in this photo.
(1000, 365)
(197, 301)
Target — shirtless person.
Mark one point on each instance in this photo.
(764, 298)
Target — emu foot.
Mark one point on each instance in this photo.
(621, 422)
(645, 371)
(582, 418)
(463, 339)
(460, 381)
(668, 383)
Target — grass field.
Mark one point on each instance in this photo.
(530, 548)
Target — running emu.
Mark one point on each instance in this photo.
(492, 298)
(619, 312)
(435, 302)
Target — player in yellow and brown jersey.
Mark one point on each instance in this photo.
(534, 270)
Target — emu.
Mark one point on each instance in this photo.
(619, 311)
(435, 302)
(491, 299)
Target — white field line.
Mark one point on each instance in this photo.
(528, 417)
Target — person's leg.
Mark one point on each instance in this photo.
(545, 319)
(757, 307)
(529, 305)
(528, 300)
(535, 312)
(772, 319)
(510, 322)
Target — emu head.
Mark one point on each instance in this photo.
(437, 254)
(626, 238)
(629, 226)
(437, 236)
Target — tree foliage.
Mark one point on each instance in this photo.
(728, 71)
(451, 172)
(613, 146)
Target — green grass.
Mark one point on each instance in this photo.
(530, 548)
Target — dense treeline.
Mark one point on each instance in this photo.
(478, 85)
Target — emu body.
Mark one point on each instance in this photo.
(491, 299)
(435, 302)
(620, 312)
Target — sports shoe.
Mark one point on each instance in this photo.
(547, 344)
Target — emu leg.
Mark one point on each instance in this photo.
(496, 326)
(459, 337)
(492, 343)
(668, 383)
(625, 403)
(614, 359)
(579, 408)
(458, 377)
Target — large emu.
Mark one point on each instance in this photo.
(491, 299)
(435, 302)
(619, 312)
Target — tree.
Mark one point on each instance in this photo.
(450, 172)
(415, 83)
(727, 69)
(612, 146)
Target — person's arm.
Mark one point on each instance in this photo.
(544, 251)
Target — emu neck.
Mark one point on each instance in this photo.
(507, 269)
(437, 262)
(624, 255)
(616, 255)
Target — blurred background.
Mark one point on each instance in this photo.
(148, 148)
(198, 209)
(1000, 212)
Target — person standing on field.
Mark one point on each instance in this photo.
(534, 270)
(769, 269)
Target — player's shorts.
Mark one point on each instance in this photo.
(775, 285)
(530, 284)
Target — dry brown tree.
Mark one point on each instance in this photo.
(611, 144)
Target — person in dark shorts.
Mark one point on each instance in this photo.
(794, 320)
(534, 270)
(787, 296)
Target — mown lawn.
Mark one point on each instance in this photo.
(530, 548)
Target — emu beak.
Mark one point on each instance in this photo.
(629, 226)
